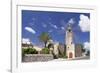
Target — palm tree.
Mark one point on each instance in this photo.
(44, 37)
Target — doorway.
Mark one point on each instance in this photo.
(70, 55)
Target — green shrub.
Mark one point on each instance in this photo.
(62, 56)
(29, 51)
(45, 51)
(23, 51)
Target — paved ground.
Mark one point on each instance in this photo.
(78, 58)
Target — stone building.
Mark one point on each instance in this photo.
(55, 50)
(62, 49)
(70, 46)
(78, 50)
(25, 45)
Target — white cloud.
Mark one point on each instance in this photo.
(71, 21)
(62, 28)
(33, 18)
(87, 45)
(50, 23)
(50, 31)
(44, 25)
(30, 30)
(84, 23)
(49, 19)
(31, 23)
(26, 40)
(55, 42)
(54, 26)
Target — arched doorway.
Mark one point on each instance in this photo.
(70, 55)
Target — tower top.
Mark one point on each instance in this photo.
(69, 29)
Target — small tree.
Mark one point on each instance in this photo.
(44, 37)
(88, 53)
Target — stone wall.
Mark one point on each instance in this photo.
(37, 57)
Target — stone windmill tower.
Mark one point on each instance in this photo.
(70, 47)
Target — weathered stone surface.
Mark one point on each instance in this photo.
(37, 57)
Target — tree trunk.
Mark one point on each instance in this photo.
(45, 44)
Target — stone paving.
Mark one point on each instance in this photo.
(77, 58)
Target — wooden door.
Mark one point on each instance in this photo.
(70, 55)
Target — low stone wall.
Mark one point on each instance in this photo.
(37, 57)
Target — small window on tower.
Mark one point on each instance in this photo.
(69, 30)
(71, 42)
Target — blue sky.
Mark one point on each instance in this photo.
(55, 24)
